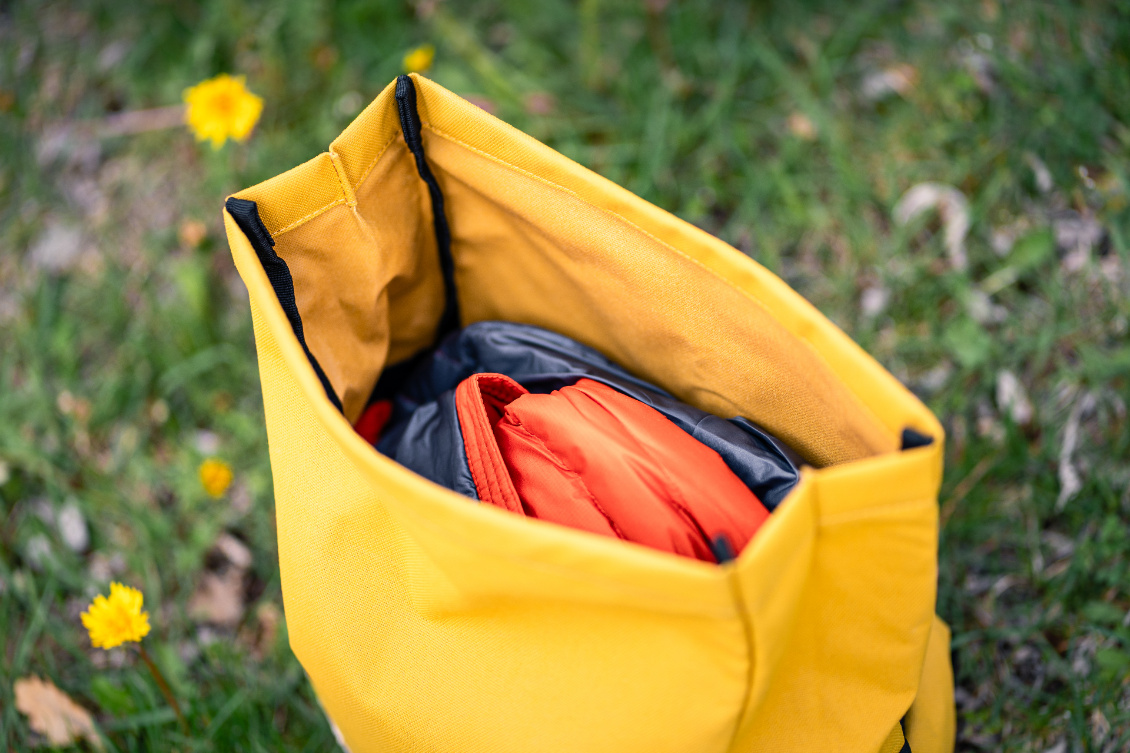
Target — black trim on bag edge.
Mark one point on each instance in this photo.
(410, 125)
(912, 439)
(392, 377)
(722, 549)
(246, 216)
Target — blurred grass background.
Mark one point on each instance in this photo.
(791, 131)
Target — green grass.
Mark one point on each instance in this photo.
(688, 105)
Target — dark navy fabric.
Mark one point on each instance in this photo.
(430, 443)
(423, 433)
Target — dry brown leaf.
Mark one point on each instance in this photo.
(192, 233)
(58, 247)
(801, 126)
(53, 714)
(219, 595)
(900, 79)
(72, 526)
(951, 205)
(269, 619)
(1070, 480)
(218, 598)
(260, 639)
(1012, 398)
(69, 405)
(234, 551)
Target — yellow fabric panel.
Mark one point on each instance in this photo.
(714, 348)
(298, 195)
(429, 623)
(398, 215)
(456, 658)
(366, 278)
(883, 395)
(931, 726)
(359, 242)
(331, 326)
(894, 742)
(848, 646)
(367, 138)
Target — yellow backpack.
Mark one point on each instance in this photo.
(429, 623)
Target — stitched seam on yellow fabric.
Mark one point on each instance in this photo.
(741, 291)
(380, 153)
(343, 180)
(310, 216)
(854, 516)
(747, 631)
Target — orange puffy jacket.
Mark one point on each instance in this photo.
(590, 457)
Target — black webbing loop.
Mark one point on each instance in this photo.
(246, 215)
(722, 549)
(912, 439)
(410, 125)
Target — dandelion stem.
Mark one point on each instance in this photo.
(164, 686)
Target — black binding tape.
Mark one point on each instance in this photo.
(912, 439)
(410, 125)
(246, 215)
(722, 549)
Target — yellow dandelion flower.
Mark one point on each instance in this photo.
(419, 59)
(221, 108)
(215, 476)
(116, 620)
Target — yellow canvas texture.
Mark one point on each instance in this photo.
(429, 623)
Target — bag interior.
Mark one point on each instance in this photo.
(360, 241)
